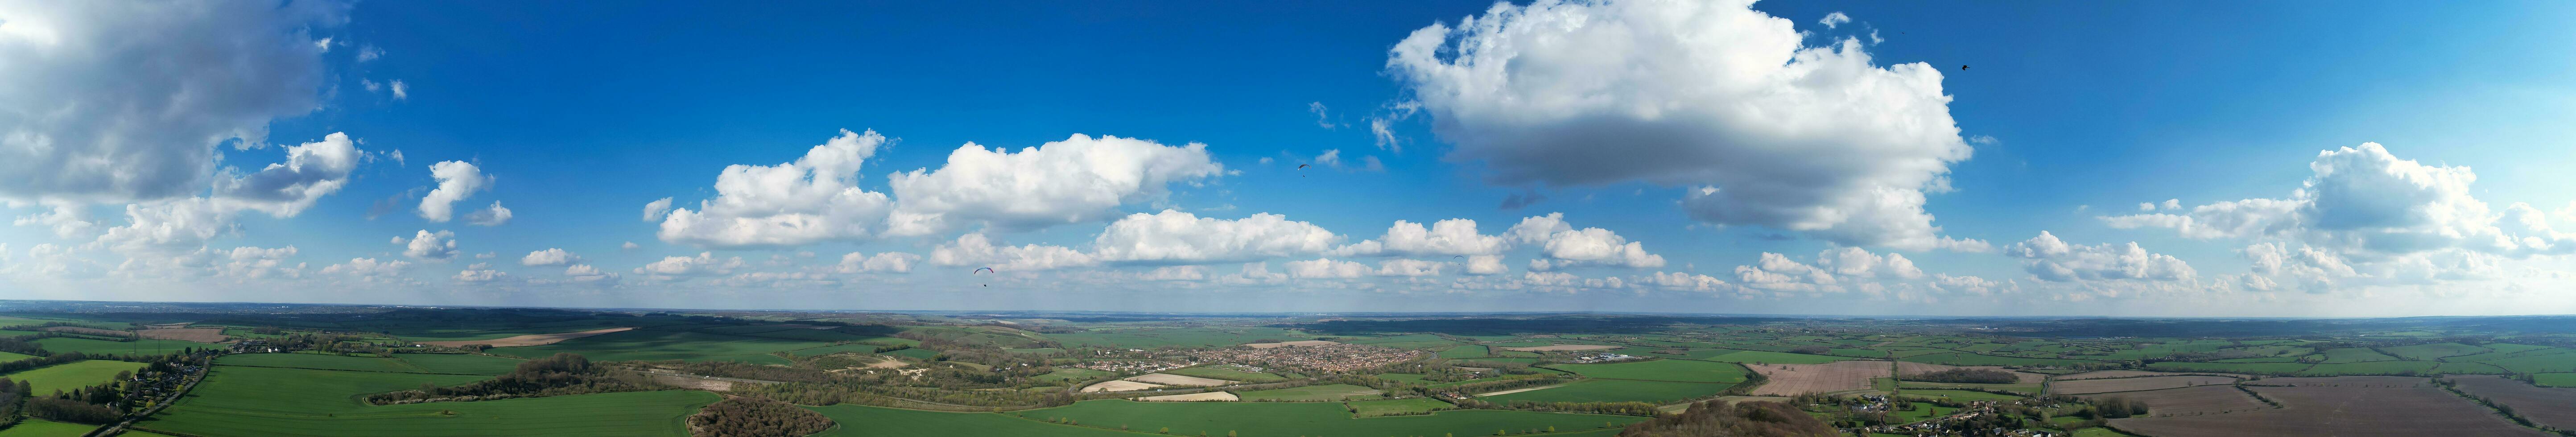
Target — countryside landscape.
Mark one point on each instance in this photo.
(104, 369)
(1321, 218)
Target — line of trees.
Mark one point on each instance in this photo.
(562, 374)
(1717, 418)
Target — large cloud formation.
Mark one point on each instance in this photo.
(1709, 95)
(1075, 180)
(117, 101)
(815, 198)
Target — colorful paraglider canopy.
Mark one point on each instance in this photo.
(981, 270)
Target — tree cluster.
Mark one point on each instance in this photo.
(562, 374)
(1717, 418)
(756, 417)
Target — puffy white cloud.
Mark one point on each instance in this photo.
(550, 257)
(1973, 285)
(482, 274)
(84, 123)
(586, 273)
(1176, 273)
(311, 170)
(169, 225)
(369, 269)
(630, 245)
(1835, 270)
(1712, 96)
(1566, 246)
(1075, 180)
(1173, 236)
(1777, 272)
(653, 211)
(68, 220)
(1485, 265)
(494, 216)
(2364, 202)
(1411, 267)
(1835, 18)
(401, 90)
(1854, 262)
(1445, 237)
(883, 262)
(815, 198)
(673, 267)
(1683, 281)
(2050, 259)
(456, 181)
(977, 250)
(428, 245)
(1254, 273)
(1325, 268)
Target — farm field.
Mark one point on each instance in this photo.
(1615, 390)
(88, 346)
(2434, 351)
(1073, 374)
(1274, 419)
(1194, 397)
(1312, 393)
(1957, 395)
(200, 335)
(2239, 368)
(2191, 400)
(1397, 406)
(2356, 406)
(33, 427)
(8, 357)
(1768, 357)
(1120, 385)
(1178, 380)
(866, 421)
(1662, 370)
(2554, 379)
(259, 401)
(459, 363)
(2545, 406)
(1229, 375)
(2135, 384)
(76, 374)
(1795, 379)
(659, 344)
(1465, 351)
(1966, 359)
(319, 361)
(528, 339)
(2124, 374)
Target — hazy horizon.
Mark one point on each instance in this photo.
(1783, 158)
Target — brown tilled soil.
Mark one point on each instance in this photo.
(1171, 379)
(2131, 373)
(694, 383)
(2555, 407)
(526, 340)
(2207, 399)
(200, 335)
(1819, 378)
(2085, 386)
(2343, 406)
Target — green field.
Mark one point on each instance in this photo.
(1406, 377)
(2370, 368)
(76, 374)
(1771, 357)
(104, 347)
(467, 335)
(1965, 359)
(1398, 406)
(2554, 379)
(1467, 351)
(1157, 337)
(319, 361)
(1276, 419)
(8, 357)
(261, 401)
(1312, 393)
(2256, 368)
(1958, 395)
(657, 344)
(2028, 389)
(34, 427)
(1073, 374)
(1920, 413)
(2547, 361)
(460, 363)
(2434, 351)
(915, 353)
(1615, 390)
(2355, 355)
(1662, 370)
(1043, 350)
(1229, 375)
(860, 420)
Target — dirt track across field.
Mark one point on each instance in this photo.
(527, 340)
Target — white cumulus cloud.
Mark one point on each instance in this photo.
(815, 198)
(456, 181)
(1075, 180)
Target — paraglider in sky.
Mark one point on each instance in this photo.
(979, 271)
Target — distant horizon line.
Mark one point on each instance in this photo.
(1633, 313)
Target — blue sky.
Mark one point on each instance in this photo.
(578, 115)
